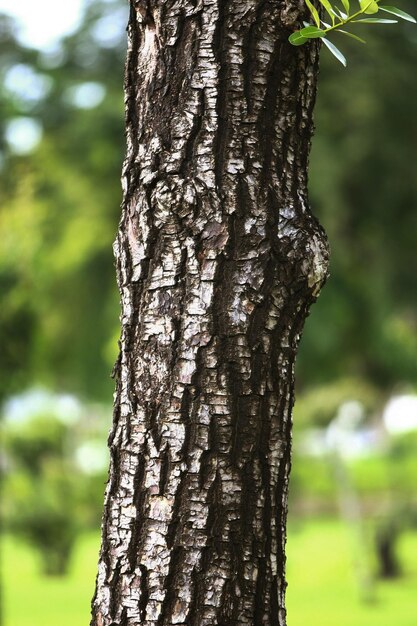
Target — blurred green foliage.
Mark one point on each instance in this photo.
(39, 514)
(39, 487)
(48, 600)
(35, 441)
(381, 483)
(318, 405)
(58, 320)
(48, 499)
(364, 189)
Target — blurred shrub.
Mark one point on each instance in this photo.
(370, 475)
(311, 477)
(90, 497)
(31, 443)
(48, 499)
(385, 476)
(43, 513)
(380, 468)
(319, 405)
(404, 445)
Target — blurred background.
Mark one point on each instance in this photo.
(352, 547)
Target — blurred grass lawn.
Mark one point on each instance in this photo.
(34, 600)
(322, 588)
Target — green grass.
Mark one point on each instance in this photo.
(323, 590)
(34, 600)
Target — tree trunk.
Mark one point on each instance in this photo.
(219, 260)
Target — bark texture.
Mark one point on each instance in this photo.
(219, 260)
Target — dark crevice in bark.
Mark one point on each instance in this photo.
(263, 568)
(235, 406)
(177, 554)
(208, 456)
(266, 121)
(139, 520)
(165, 467)
(153, 424)
(250, 41)
(144, 595)
(210, 550)
(185, 412)
(275, 604)
(180, 56)
(193, 136)
(219, 49)
(174, 525)
(114, 593)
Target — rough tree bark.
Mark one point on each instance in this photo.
(219, 259)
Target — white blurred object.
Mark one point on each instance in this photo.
(23, 134)
(31, 403)
(86, 95)
(343, 434)
(26, 84)
(44, 22)
(400, 414)
(109, 30)
(92, 456)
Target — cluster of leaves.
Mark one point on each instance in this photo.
(339, 19)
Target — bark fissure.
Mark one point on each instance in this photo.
(218, 261)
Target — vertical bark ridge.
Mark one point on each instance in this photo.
(218, 260)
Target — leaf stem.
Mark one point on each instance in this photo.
(348, 19)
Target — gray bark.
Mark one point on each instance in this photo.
(218, 261)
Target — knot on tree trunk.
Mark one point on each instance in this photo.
(304, 248)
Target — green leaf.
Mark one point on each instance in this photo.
(313, 12)
(296, 39)
(345, 32)
(312, 32)
(346, 6)
(335, 51)
(328, 8)
(369, 6)
(399, 13)
(375, 20)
